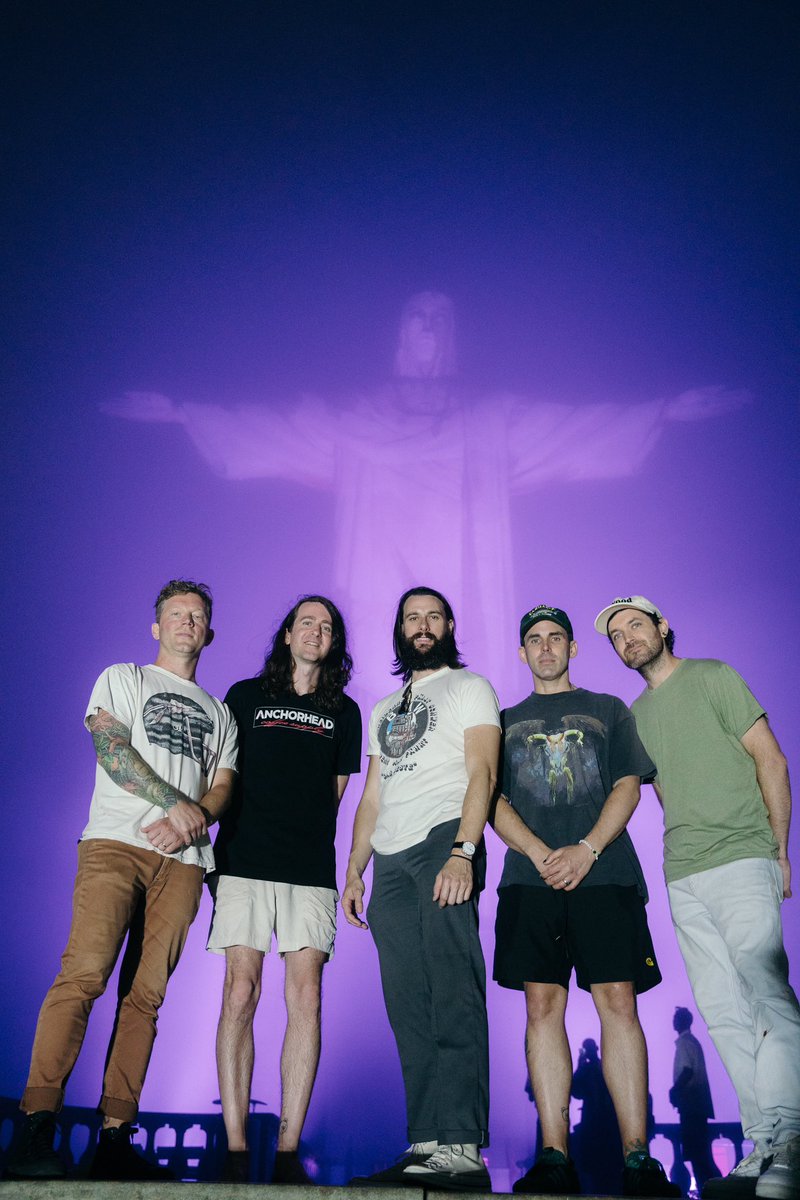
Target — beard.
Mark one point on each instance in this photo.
(644, 656)
(441, 653)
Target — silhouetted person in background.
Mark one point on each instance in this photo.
(691, 1095)
(596, 1144)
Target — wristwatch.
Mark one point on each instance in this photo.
(466, 848)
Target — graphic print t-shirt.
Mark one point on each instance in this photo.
(423, 770)
(562, 755)
(181, 731)
(282, 823)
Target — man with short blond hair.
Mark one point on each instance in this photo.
(166, 758)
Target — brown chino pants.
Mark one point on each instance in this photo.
(112, 879)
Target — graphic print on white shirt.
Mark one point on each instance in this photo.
(180, 726)
(182, 732)
(423, 771)
(401, 733)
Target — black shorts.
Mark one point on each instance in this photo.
(541, 934)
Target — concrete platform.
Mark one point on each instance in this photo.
(82, 1189)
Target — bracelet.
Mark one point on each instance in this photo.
(596, 853)
(463, 857)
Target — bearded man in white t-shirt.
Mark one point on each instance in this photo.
(166, 755)
(433, 748)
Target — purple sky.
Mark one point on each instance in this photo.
(229, 205)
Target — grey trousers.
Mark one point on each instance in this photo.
(434, 985)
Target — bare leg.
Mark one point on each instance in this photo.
(624, 1056)
(549, 1062)
(235, 1046)
(301, 1044)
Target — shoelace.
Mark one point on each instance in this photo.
(42, 1139)
(642, 1161)
(749, 1163)
(788, 1154)
(442, 1159)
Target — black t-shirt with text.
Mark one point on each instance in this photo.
(282, 822)
(562, 755)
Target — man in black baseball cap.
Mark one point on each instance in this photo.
(543, 612)
(572, 895)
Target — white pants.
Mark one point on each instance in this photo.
(728, 923)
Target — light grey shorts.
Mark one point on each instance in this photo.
(248, 911)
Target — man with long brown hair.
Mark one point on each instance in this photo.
(300, 740)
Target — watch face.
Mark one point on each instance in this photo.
(468, 849)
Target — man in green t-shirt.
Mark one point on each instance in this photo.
(724, 787)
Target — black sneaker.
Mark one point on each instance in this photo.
(289, 1169)
(552, 1174)
(116, 1158)
(645, 1176)
(236, 1168)
(35, 1157)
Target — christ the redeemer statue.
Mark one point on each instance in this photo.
(422, 475)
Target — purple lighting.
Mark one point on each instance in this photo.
(217, 213)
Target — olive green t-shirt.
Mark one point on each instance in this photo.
(691, 726)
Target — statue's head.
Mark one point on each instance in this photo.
(426, 347)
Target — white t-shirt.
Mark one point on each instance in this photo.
(181, 731)
(423, 769)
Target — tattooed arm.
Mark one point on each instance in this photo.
(125, 765)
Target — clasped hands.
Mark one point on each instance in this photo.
(184, 823)
(563, 869)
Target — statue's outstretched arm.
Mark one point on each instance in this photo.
(602, 441)
(278, 440)
(143, 406)
(698, 404)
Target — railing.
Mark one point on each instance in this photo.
(192, 1145)
(678, 1173)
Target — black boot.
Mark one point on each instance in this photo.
(289, 1169)
(35, 1157)
(116, 1158)
(236, 1168)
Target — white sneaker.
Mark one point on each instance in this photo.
(422, 1149)
(752, 1164)
(781, 1180)
(740, 1181)
(417, 1152)
(454, 1167)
